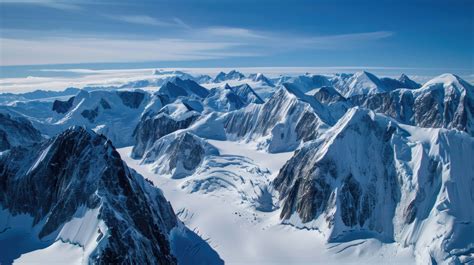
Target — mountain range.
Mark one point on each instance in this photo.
(361, 164)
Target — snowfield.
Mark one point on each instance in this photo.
(180, 167)
(242, 234)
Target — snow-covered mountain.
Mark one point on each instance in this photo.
(72, 196)
(228, 98)
(178, 154)
(446, 101)
(6, 98)
(16, 131)
(362, 83)
(278, 125)
(314, 167)
(178, 87)
(160, 77)
(153, 126)
(306, 83)
(232, 75)
(348, 85)
(370, 177)
(112, 113)
(259, 77)
(402, 82)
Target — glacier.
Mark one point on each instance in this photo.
(240, 168)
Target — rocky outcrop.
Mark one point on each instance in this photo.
(178, 155)
(246, 93)
(80, 170)
(280, 124)
(327, 95)
(90, 114)
(15, 131)
(131, 99)
(154, 126)
(402, 82)
(63, 106)
(231, 98)
(446, 101)
(370, 177)
(232, 75)
(176, 88)
(306, 182)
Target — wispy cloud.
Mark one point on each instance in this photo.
(204, 43)
(148, 20)
(233, 32)
(284, 41)
(342, 39)
(56, 4)
(95, 50)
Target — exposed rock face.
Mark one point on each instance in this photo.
(178, 154)
(131, 99)
(153, 127)
(63, 179)
(231, 98)
(112, 113)
(397, 104)
(16, 131)
(328, 95)
(369, 176)
(246, 93)
(283, 121)
(90, 114)
(223, 100)
(444, 102)
(306, 184)
(105, 104)
(177, 88)
(232, 75)
(407, 82)
(80, 169)
(191, 87)
(63, 106)
(402, 82)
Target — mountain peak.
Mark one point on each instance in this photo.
(449, 80)
(362, 83)
(232, 75)
(407, 82)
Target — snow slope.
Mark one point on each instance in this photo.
(369, 177)
(244, 234)
(77, 196)
(266, 170)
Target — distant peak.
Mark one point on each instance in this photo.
(449, 79)
(403, 77)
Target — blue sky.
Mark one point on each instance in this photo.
(395, 34)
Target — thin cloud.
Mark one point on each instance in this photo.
(148, 20)
(281, 41)
(181, 23)
(336, 41)
(350, 38)
(99, 50)
(56, 4)
(233, 32)
(196, 44)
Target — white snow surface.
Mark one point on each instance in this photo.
(73, 243)
(241, 234)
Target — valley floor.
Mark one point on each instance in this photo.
(243, 235)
